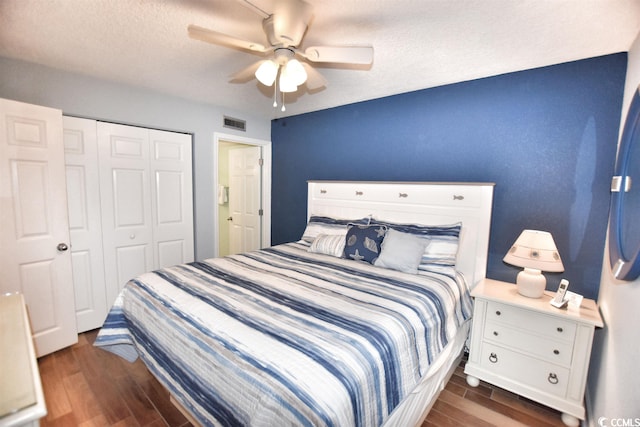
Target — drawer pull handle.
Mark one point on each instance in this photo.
(559, 329)
(556, 351)
(495, 333)
(493, 358)
(323, 191)
(359, 193)
(403, 195)
(498, 313)
(552, 378)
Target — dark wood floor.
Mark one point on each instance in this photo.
(86, 386)
(486, 405)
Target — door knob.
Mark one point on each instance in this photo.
(62, 247)
(230, 218)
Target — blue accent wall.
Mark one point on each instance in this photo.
(547, 137)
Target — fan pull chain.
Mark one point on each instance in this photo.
(283, 109)
(275, 94)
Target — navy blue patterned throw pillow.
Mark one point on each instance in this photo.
(363, 242)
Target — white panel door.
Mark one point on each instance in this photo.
(85, 225)
(244, 199)
(126, 204)
(172, 198)
(34, 236)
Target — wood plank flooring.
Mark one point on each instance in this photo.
(86, 386)
(459, 404)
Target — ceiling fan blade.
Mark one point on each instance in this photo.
(315, 80)
(340, 54)
(247, 73)
(254, 8)
(210, 36)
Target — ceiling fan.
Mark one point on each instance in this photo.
(284, 28)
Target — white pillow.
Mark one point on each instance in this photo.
(401, 251)
(328, 244)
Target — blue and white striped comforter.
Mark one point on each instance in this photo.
(282, 336)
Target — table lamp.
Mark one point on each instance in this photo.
(536, 252)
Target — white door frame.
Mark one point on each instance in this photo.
(265, 187)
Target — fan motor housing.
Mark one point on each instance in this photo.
(285, 40)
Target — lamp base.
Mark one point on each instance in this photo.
(531, 283)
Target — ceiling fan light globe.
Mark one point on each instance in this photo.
(286, 83)
(296, 72)
(267, 72)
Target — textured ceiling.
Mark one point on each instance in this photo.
(418, 43)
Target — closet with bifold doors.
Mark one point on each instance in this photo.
(130, 202)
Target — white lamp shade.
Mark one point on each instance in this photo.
(535, 250)
(295, 72)
(286, 83)
(267, 72)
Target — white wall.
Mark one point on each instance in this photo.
(614, 382)
(82, 96)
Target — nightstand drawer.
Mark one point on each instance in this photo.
(559, 352)
(549, 326)
(526, 370)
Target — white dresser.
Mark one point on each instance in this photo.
(21, 396)
(531, 348)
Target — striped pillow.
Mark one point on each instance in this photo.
(326, 225)
(328, 244)
(442, 249)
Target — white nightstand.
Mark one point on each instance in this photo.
(531, 348)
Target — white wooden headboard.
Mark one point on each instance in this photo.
(427, 203)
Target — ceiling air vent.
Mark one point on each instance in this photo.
(237, 124)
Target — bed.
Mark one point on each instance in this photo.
(315, 332)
